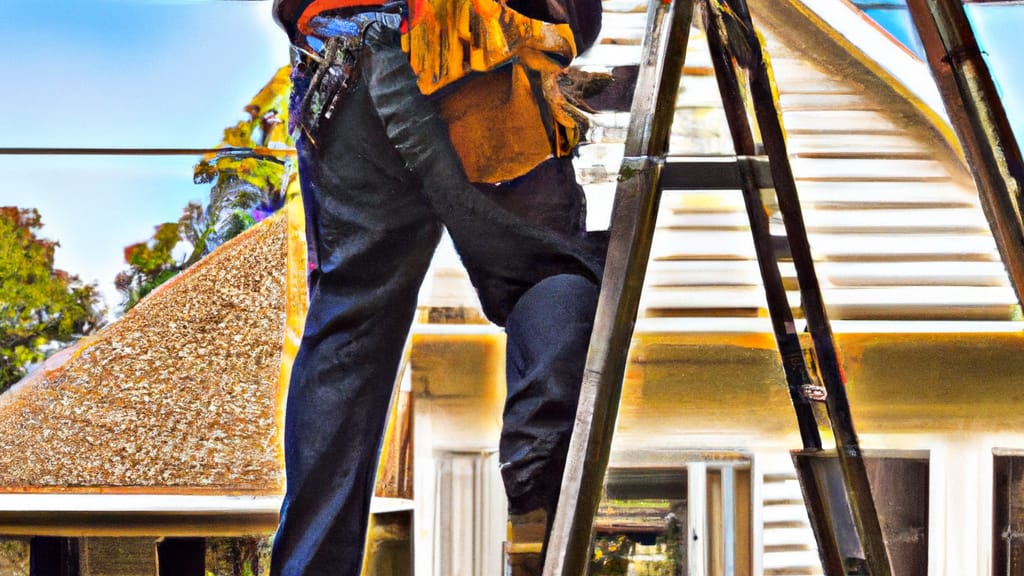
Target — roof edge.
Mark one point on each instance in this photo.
(884, 63)
(174, 515)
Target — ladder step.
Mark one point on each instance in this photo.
(716, 173)
(519, 563)
(524, 547)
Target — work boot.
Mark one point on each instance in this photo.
(524, 549)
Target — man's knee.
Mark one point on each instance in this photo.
(565, 300)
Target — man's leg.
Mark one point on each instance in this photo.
(534, 248)
(548, 335)
(374, 237)
(548, 332)
(509, 252)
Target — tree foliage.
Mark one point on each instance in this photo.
(151, 263)
(39, 305)
(248, 177)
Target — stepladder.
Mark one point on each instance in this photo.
(835, 484)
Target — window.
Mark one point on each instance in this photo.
(899, 485)
(1007, 513)
(997, 27)
(674, 521)
(894, 17)
(469, 513)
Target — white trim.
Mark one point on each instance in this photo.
(470, 513)
(757, 464)
(878, 45)
(763, 326)
(125, 515)
(984, 503)
(456, 329)
(716, 325)
(967, 532)
(149, 503)
(158, 504)
(937, 524)
(697, 517)
(728, 520)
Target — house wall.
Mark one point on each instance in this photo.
(951, 398)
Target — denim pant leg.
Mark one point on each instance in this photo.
(548, 336)
(375, 236)
(509, 250)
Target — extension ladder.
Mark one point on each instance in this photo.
(761, 162)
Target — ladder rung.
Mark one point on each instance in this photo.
(721, 173)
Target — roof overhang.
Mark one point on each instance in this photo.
(836, 34)
(168, 515)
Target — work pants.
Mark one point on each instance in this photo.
(380, 184)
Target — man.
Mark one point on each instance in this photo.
(380, 176)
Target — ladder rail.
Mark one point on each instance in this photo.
(980, 121)
(851, 458)
(734, 102)
(632, 231)
(788, 341)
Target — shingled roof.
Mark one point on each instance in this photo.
(179, 395)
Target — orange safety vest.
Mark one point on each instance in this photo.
(495, 73)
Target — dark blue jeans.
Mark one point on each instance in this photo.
(378, 187)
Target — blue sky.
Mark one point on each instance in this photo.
(998, 28)
(122, 73)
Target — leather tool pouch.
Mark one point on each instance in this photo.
(335, 76)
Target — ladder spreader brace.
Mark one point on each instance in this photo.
(735, 48)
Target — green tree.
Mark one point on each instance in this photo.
(151, 263)
(248, 174)
(40, 306)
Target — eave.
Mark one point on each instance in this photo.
(166, 515)
(837, 35)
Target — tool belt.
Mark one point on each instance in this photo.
(331, 71)
(502, 123)
(494, 73)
